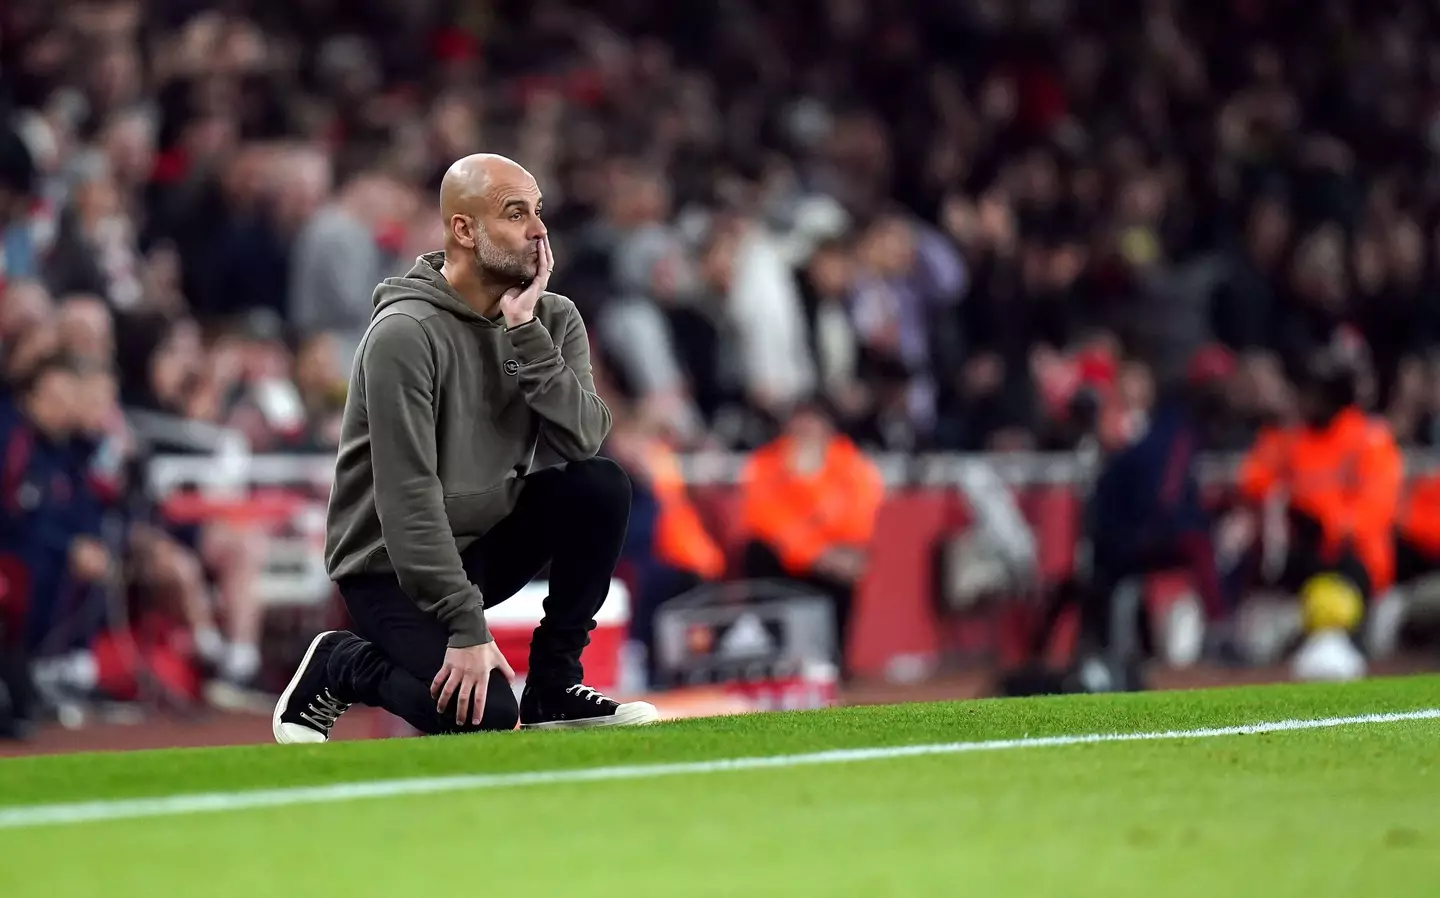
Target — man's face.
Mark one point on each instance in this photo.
(52, 403)
(86, 330)
(508, 230)
(830, 270)
(95, 402)
(23, 304)
(810, 428)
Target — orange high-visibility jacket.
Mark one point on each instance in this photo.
(681, 539)
(801, 516)
(1347, 477)
(1420, 515)
(1260, 470)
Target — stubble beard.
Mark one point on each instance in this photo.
(503, 267)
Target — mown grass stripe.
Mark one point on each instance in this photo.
(216, 802)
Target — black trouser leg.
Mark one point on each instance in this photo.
(659, 583)
(761, 562)
(1411, 561)
(1096, 611)
(1061, 597)
(1302, 564)
(573, 517)
(396, 653)
(1098, 598)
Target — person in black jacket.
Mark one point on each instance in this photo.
(49, 521)
(1145, 515)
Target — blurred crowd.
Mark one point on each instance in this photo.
(954, 225)
(950, 218)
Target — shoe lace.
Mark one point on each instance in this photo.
(325, 710)
(588, 694)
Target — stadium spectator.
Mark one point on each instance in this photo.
(320, 382)
(653, 274)
(909, 276)
(767, 314)
(18, 252)
(1146, 509)
(1217, 191)
(27, 351)
(1417, 531)
(26, 304)
(1340, 476)
(86, 331)
(667, 545)
(338, 259)
(809, 504)
(96, 250)
(50, 520)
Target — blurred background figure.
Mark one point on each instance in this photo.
(1145, 514)
(667, 546)
(1337, 478)
(810, 500)
(51, 522)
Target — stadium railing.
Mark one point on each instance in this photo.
(287, 494)
(171, 473)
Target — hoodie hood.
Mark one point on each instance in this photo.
(425, 281)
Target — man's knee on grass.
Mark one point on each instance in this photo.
(501, 712)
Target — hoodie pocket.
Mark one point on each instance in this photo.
(473, 514)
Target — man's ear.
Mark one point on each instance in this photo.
(462, 228)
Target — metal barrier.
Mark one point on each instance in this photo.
(743, 630)
(168, 473)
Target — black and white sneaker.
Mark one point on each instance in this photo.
(308, 707)
(579, 706)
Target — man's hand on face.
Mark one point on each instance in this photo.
(518, 303)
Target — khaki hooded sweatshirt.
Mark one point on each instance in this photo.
(447, 411)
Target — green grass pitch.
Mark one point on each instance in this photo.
(1339, 811)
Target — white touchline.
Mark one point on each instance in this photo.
(207, 802)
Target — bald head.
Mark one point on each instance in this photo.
(472, 180)
(491, 207)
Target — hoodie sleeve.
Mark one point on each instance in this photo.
(559, 386)
(398, 376)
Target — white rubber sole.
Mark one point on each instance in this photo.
(293, 733)
(628, 714)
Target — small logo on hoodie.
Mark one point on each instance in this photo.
(512, 366)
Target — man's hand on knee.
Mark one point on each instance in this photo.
(465, 677)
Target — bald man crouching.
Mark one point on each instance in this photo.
(467, 462)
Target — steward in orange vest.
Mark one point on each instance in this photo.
(810, 500)
(1417, 532)
(1340, 475)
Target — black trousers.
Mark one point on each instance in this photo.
(762, 563)
(1412, 562)
(571, 517)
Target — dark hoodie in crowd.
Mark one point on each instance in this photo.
(1147, 512)
(447, 412)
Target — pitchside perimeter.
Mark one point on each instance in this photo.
(1283, 791)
